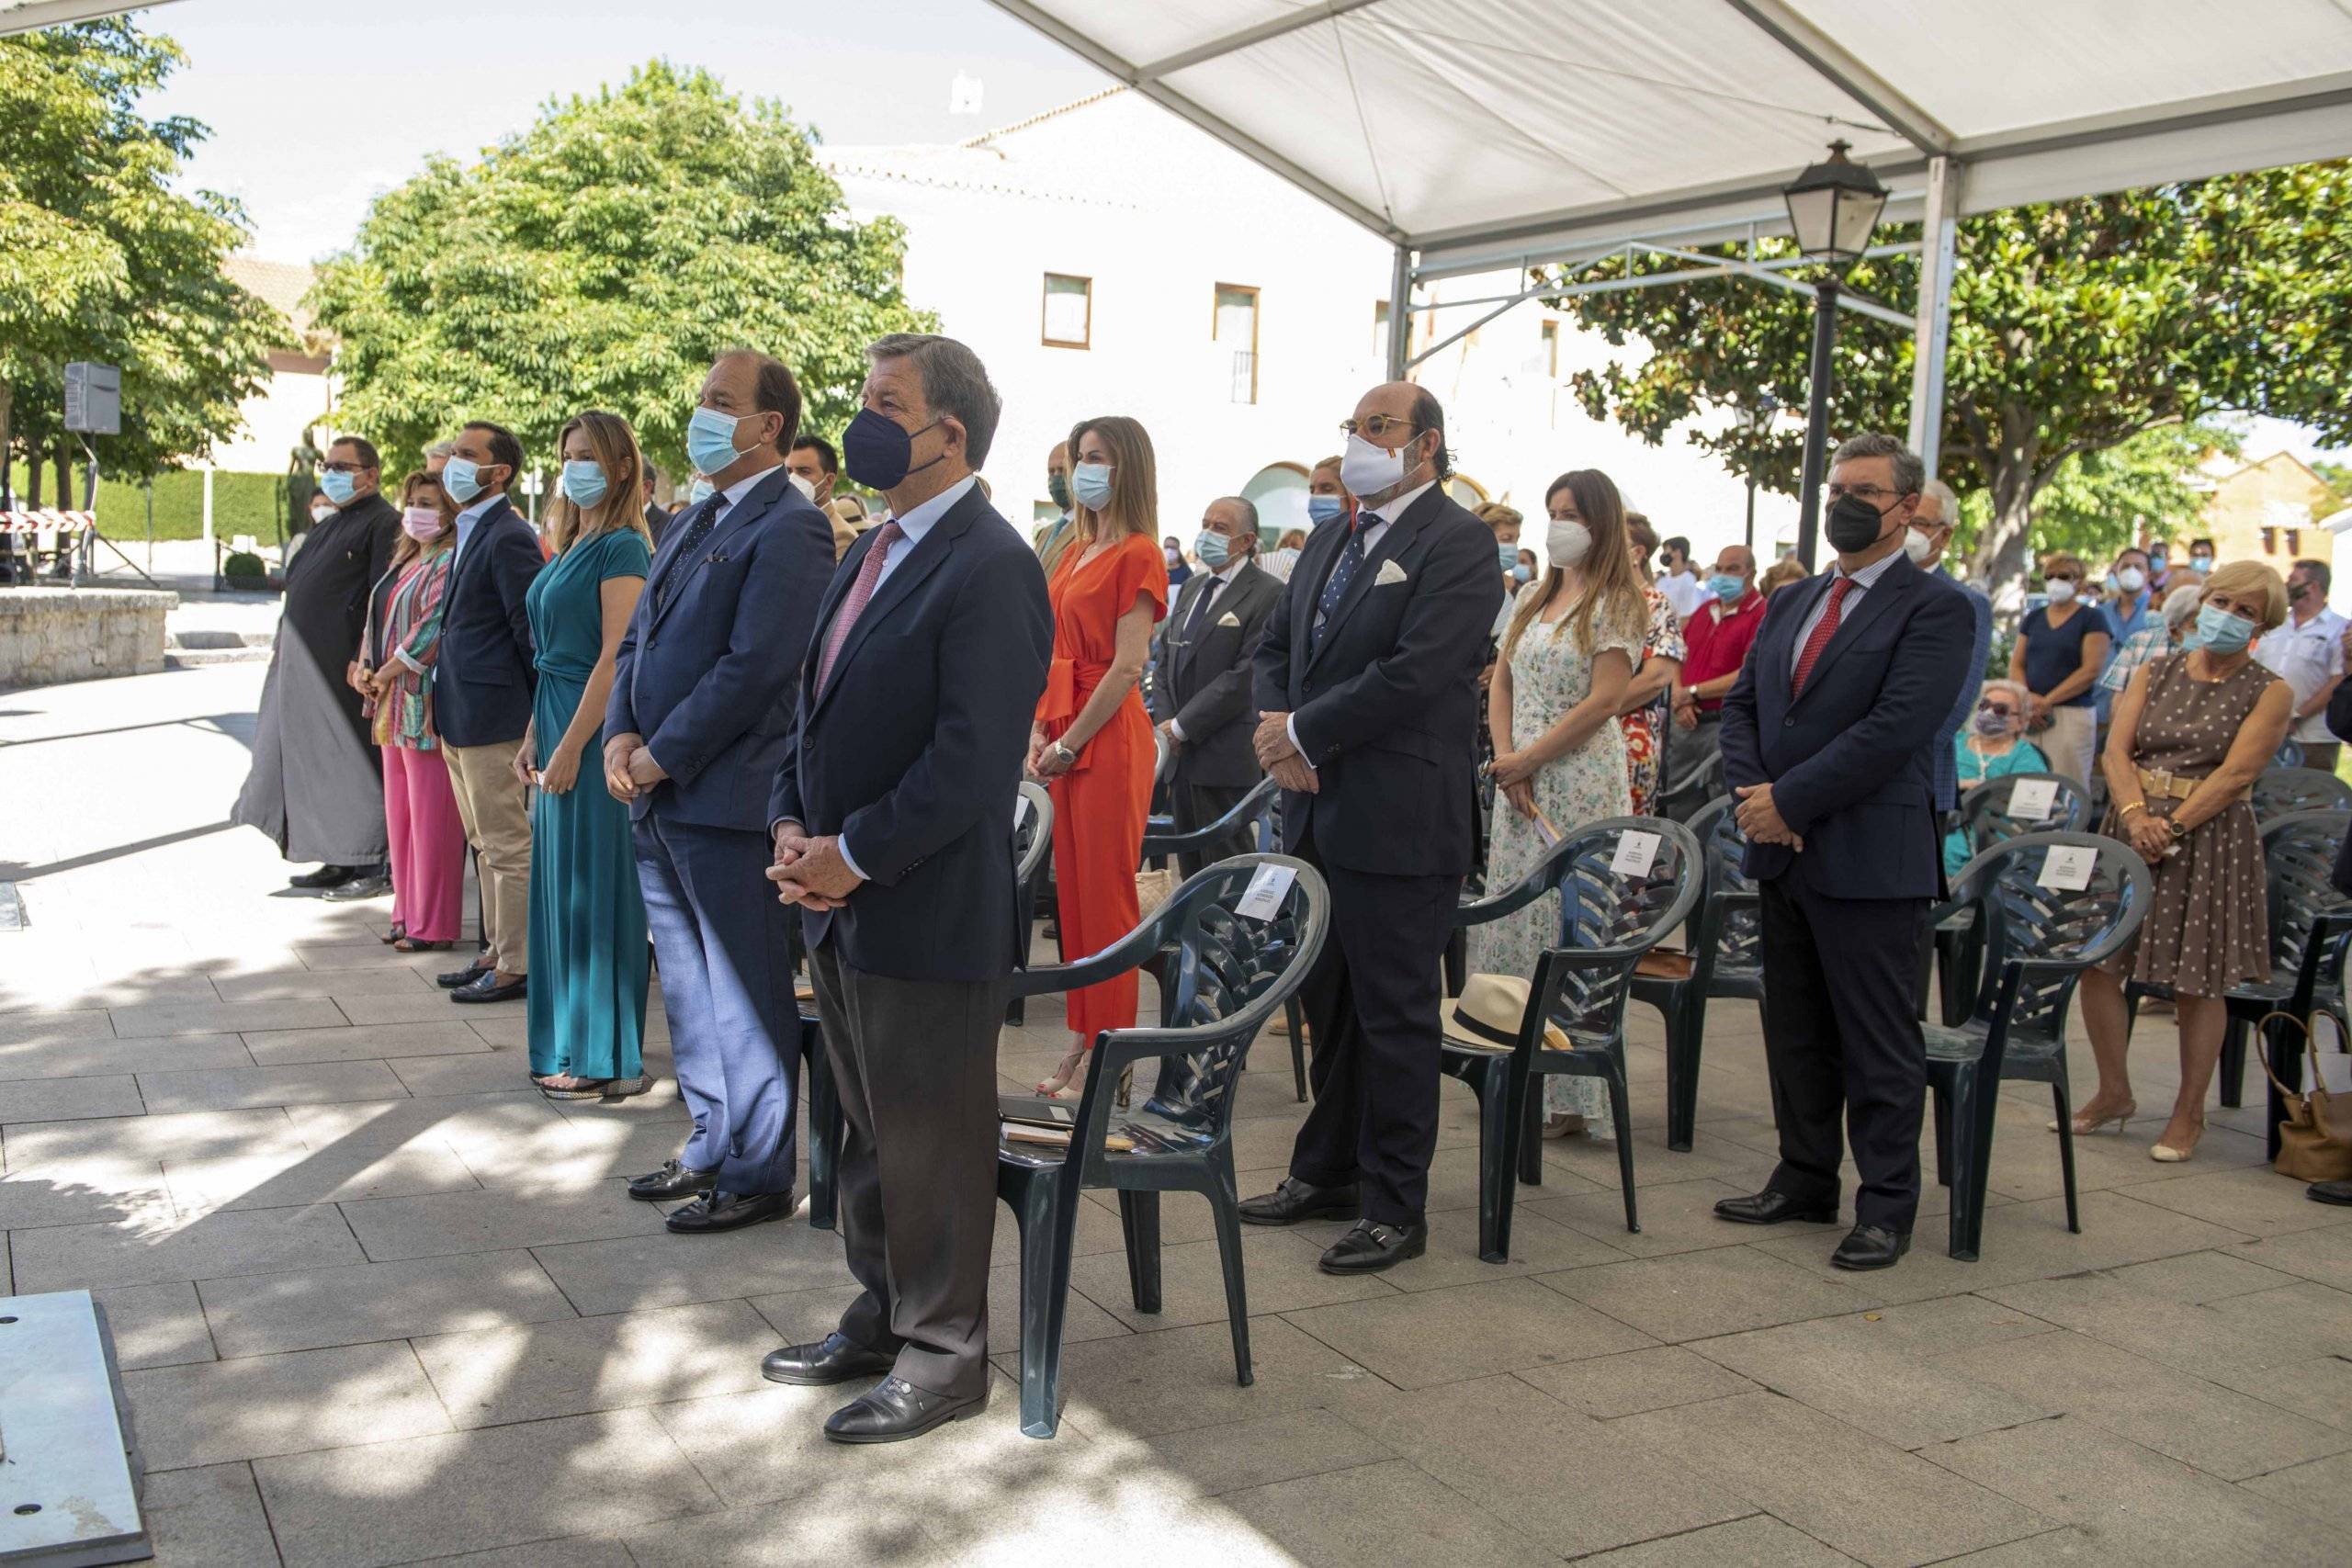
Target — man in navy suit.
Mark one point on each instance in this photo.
(892, 819)
(1367, 687)
(702, 702)
(481, 700)
(1829, 740)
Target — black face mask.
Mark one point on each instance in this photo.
(1854, 524)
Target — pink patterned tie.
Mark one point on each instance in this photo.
(869, 572)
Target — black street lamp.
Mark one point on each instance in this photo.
(1833, 208)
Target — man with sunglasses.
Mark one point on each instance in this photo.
(1367, 692)
(1829, 739)
(317, 783)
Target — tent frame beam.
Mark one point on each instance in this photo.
(1932, 331)
(1200, 54)
(1830, 61)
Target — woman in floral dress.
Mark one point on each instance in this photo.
(1567, 657)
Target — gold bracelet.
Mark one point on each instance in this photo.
(2126, 810)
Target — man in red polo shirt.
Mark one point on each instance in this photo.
(1717, 637)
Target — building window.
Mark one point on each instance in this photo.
(1069, 311)
(2270, 541)
(1552, 350)
(2294, 541)
(1235, 324)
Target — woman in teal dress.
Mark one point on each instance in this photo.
(1993, 746)
(589, 957)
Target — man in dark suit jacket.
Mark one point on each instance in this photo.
(702, 702)
(1367, 679)
(657, 516)
(481, 700)
(1201, 672)
(892, 819)
(1829, 739)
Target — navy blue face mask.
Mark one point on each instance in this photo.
(879, 452)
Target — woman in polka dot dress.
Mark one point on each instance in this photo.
(2192, 731)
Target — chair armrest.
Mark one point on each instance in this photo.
(1165, 841)
(1132, 951)
(1544, 879)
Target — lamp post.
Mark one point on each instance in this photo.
(1833, 206)
(1754, 422)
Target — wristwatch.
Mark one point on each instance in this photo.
(1069, 757)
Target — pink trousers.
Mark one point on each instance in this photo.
(428, 844)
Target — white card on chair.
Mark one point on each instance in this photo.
(1267, 890)
(2033, 800)
(2067, 867)
(1635, 853)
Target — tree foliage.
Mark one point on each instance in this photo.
(600, 259)
(2075, 326)
(100, 259)
(2098, 502)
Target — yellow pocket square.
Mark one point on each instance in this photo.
(1228, 619)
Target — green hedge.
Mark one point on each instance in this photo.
(260, 504)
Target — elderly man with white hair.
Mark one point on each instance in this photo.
(1931, 528)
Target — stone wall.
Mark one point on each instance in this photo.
(52, 635)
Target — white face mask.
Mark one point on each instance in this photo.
(2061, 592)
(1568, 542)
(1369, 471)
(1917, 546)
(807, 491)
(2130, 578)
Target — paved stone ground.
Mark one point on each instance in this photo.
(377, 1303)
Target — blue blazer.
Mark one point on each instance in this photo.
(913, 751)
(1852, 761)
(483, 680)
(708, 677)
(1388, 707)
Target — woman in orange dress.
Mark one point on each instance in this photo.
(1092, 745)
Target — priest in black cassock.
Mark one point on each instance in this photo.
(317, 784)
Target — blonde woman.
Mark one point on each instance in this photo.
(587, 928)
(1567, 656)
(2191, 732)
(1091, 742)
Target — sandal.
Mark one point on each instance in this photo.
(1051, 1088)
(406, 943)
(393, 935)
(564, 1086)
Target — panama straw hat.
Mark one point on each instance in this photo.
(1486, 1016)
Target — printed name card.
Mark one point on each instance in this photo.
(2033, 800)
(1267, 890)
(2067, 867)
(1635, 853)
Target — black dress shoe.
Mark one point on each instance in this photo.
(716, 1211)
(2329, 1192)
(672, 1182)
(1870, 1246)
(1774, 1208)
(1372, 1247)
(368, 885)
(465, 976)
(484, 988)
(830, 1361)
(1293, 1200)
(325, 876)
(897, 1410)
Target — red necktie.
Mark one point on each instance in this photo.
(869, 571)
(1823, 630)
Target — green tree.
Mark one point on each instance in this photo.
(2075, 326)
(2098, 502)
(600, 259)
(103, 261)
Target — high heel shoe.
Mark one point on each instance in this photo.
(2085, 1125)
(1051, 1088)
(2165, 1154)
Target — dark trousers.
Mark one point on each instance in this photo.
(1197, 806)
(1371, 1003)
(2321, 754)
(915, 1065)
(1841, 1033)
(724, 947)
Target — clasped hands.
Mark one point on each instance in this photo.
(1759, 817)
(1284, 761)
(810, 872)
(630, 769)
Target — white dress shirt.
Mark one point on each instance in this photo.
(1371, 524)
(465, 521)
(1864, 581)
(1217, 583)
(1686, 594)
(2307, 656)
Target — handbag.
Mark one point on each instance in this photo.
(2315, 1135)
(1154, 886)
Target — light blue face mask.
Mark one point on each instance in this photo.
(1213, 549)
(703, 490)
(710, 440)
(1508, 552)
(1520, 572)
(1727, 587)
(2219, 631)
(1321, 509)
(337, 486)
(584, 482)
(462, 479)
(1090, 483)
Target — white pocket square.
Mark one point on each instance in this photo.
(1389, 572)
(1228, 619)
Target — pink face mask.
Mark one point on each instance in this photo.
(422, 522)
